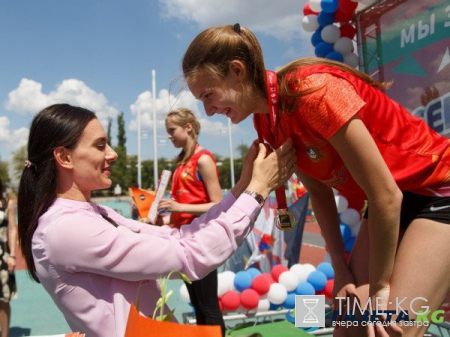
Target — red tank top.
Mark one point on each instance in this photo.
(417, 156)
(188, 187)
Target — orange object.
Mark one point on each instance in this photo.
(139, 325)
(143, 200)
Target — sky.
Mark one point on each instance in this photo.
(100, 54)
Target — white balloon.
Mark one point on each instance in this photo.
(351, 59)
(350, 217)
(289, 280)
(184, 294)
(315, 5)
(225, 282)
(263, 305)
(343, 45)
(277, 293)
(330, 33)
(355, 229)
(310, 23)
(367, 2)
(302, 271)
(341, 203)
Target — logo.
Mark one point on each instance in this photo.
(310, 311)
(314, 154)
(434, 209)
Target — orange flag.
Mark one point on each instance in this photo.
(143, 200)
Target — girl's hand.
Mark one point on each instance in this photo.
(169, 205)
(345, 289)
(379, 302)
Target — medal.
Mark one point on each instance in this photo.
(285, 220)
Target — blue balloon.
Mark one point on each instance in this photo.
(305, 288)
(325, 18)
(273, 306)
(289, 303)
(327, 269)
(335, 56)
(318, 280)
(329, 6)
(323, 48)
(253, 272)
(316, 37)
(346, 232)
(349, 244)
(242, 280)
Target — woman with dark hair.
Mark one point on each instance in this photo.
(93, 261)
(348, 135)
(8, 244)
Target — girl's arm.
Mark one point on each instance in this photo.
(362, 158)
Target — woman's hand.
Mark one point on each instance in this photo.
(272, 170)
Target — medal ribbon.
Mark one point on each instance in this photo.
(272, 94)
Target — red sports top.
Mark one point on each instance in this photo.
(188, 187)
(417, 156)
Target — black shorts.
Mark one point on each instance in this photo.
(415, 206)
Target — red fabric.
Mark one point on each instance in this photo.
(187, 188)
(416, 155)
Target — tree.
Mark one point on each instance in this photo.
(108, 131)
(121, 169)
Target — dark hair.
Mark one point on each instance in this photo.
(54, 126)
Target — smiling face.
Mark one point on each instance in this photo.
(231, 96)
(86, 167)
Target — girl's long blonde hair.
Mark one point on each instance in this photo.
(182, 117)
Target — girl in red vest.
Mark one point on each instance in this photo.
(348, 135)
(195, 189)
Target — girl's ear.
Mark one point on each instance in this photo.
(188, 127)
(62, 157)
(237, 68)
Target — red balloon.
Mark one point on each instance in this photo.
(220, 303)
(277, 270)
(328, 290)
(231, 300)
(261, 284)
(340, 16)
(347, 6)
(249, 299)
(348, 30)
(307, 10)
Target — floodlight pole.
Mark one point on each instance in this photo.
(155, 154)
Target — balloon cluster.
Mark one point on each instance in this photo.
(333, 32)
(350, 220)
(251, 289)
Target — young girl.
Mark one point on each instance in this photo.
(195, 189)
(351, 136)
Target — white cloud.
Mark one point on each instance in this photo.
(28, 98)
(12, 141)
(166, 102)
(281, 18)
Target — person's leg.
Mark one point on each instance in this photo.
(208, 302)
(5, 316)
(422, 269)
(359, 266)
